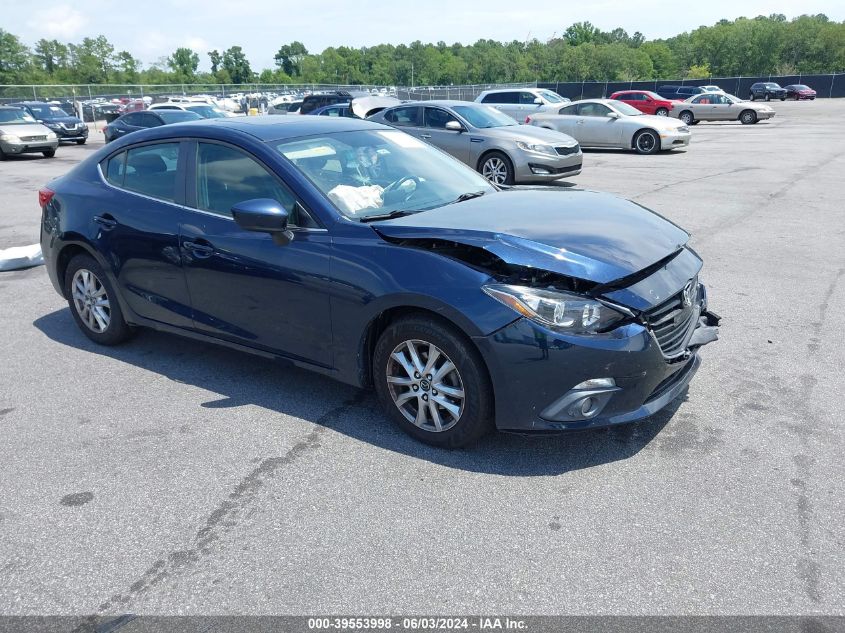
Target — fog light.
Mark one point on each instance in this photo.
(587, 405)
(596, 383)
(540, 171)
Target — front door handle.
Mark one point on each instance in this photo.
(106, 221)
(425, 135)
(200, 251)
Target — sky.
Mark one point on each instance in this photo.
(152, 29)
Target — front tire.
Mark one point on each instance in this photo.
(768, 97)
(93, 302)
(49, 153)
(687, 117)
(661, 112)
(747, 117)
(81, 141)
(432, 382)
(647, 142)
(497, 168)
(751, 97)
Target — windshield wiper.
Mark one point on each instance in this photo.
(467, 196)
(398, 213)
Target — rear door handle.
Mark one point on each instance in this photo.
(105, 221)
(200, 251)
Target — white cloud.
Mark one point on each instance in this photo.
(60, 22)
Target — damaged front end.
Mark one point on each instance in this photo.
(588, 353)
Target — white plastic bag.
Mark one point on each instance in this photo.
(353, 199)
(21, 257)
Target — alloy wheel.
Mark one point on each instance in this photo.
(91, 300)
(646, 142)
(425, 386)
(495, 170)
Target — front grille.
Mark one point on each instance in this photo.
(33, 138)
(672, 321)
(566, 151)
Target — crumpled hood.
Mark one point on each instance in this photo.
(584, 234)
(69, 121)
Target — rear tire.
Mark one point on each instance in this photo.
(747, 117)
(49, 153)
(647, 142)
(93, 302)
(443, 384)
(687, 117)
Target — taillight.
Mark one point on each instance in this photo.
(44, 196)
(527, 119)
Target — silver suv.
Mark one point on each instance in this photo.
(22, 134)
(520, 103)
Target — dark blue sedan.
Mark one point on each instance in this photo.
(360, 252)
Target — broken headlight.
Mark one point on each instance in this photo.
(558, 310)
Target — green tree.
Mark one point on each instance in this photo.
(237, 65)
(14, 59)
(216, 59)
(290, 56)
(184, 62)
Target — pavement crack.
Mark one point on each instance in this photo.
(226, 515)
(688, 180)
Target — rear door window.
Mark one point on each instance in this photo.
(151, 170)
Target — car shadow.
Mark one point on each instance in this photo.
(243, 379)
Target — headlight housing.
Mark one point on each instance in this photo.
(537, 148)
(10, 138)
(562, 311)
(51, 136)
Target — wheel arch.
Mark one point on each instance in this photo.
(64, 257)
(492, 150)
(380, 322)
(636, 135)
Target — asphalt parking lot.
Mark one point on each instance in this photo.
(172, 477)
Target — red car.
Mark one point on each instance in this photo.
(799, 91)
(645, 101)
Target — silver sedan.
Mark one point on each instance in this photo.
(611, 123)
(487, 140)
(719, 106)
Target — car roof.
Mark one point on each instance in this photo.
(268, 127)
(9, 107)
(511, 89)
(445, 103)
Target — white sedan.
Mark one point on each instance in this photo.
(608, 123)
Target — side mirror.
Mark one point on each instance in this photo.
(612, 115)
(538, 101)
(263, 215)
(454, 126)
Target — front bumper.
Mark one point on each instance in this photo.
(672, 140)
(76, 134)
(13, 148)
(535, 167)
(535, 371)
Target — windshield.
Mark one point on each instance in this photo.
(733, 98)
(15, 116)
(624, 108)
(375, 172)
(177, 116)
(772, 86)
(801, 87)
(484, 116)
(206, 111)
(551, 97)
(47, 111)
